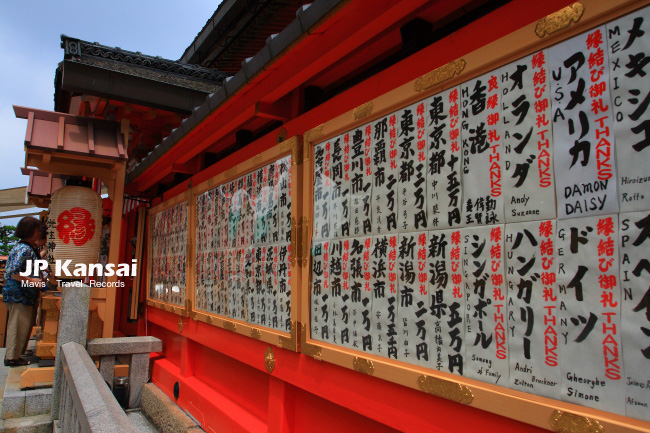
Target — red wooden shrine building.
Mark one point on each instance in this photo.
(262, 78)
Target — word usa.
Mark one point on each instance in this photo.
(82, 270)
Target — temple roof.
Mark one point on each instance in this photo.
(142, 65)
(238, 29)
(114, 70)
(51, 131)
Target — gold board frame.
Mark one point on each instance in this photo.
(286, 340)
(182, 310)
(554, 415)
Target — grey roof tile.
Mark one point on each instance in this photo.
(177, 134)
(215, 99)
(285, 38)
(314, 12)
(201, 112)
(235, 82)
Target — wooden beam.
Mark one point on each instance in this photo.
(19, 215)
(44, 376)
(42, 202)
(121, 370)
(77, 166)
(70, 169)
(32, 377)
(96, 161)
(59, 143)
(116, 193)
(13, 199)
(9, 204)
(13, 196)
(31, 182)
(123, 137)
(276, 111)
(239, 119)
(135, 291)
(145, 182)
(91, 137)
(30, 128)
(190, 167)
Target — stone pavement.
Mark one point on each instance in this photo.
(36, 406)
(18, 403)
(140, 421)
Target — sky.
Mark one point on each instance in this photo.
(30, 49)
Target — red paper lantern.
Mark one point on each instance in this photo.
(75, 225)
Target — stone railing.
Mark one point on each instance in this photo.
(137, 349)
(86, 402)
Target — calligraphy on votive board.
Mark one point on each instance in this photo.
(482, 138)
(385, 175)
(168, 254)
(629, 47)
(583, 126)
(320, 295)
(339, 323)
(635, 310)
(447, 305)
(243, 252)
(384, 273)
(589, 312)
(444, 160)
(361, 168)
(415, 322)
(486, 351)
(340, 186)
(531, 274)
(477, 232)
(527, 139)
(360, 306)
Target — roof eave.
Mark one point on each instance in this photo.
(97, 81)
(276, 46)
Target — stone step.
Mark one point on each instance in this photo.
(140, 421)
(165, 414)
(28, 424)
(17, 403)
(13, 401)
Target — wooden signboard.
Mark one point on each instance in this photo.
(245, 250)
(169, 249)
(225, 252)
(463, 234)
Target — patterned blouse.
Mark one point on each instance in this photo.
(13, 291)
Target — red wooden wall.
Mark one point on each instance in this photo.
(224, 384)
(222, 378)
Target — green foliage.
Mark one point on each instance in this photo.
(7, 239)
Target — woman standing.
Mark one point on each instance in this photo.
(20, 293)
